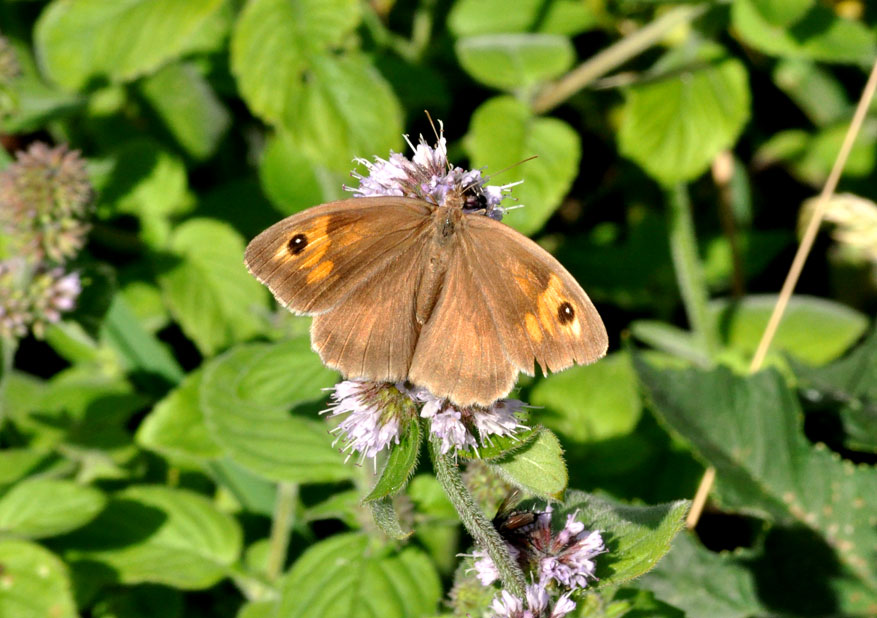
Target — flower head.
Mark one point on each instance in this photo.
(538, 604)
(565, 559)
(377, 414)
(458, 427)
(429, 176)
(31, 299)
(44, 198)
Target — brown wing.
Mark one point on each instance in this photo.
(316, 258)
(503, 292)
(355, 265)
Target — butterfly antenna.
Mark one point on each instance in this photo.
(505, 169)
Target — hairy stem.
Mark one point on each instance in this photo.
(614, 56)
(8, 345)
(689, 272)
(476, 523)
(281, 528)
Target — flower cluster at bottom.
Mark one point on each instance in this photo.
(378, 412)
(558, 563)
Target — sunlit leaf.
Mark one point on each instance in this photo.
(247, 395)
(352, 576)
(36, 583)
(504, 132)
(80, 41)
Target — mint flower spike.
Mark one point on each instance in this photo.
(45, 197)
(377, 414)
(31, 299)
(428, 175)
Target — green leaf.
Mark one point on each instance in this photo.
(703, 583)
(35, 583)
(17, 463)
(139, 349)
(538, 468)
(208, 289)
(815, 90)
(400, 465)
(384, 514)
(473, 17)
(500, 447)
(78, 407)
(287, 78)
(175, 427)
(674, 127)
(258, 609)
(352, 576)
(290, 180)
(670, 339)
(327, 118)
(814, 330)
(246, 396)
(596, 402)
(272, 43)
(146, 181)
(850, 386)
(79, 42)
(188, 107)
(42, 507)
(159, 535)
(782, 13)
(750, 431)
(253, 493)
(509, 61)
(636, 536)
(504, 132)
(819, 34)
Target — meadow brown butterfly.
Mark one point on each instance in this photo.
(427, 289)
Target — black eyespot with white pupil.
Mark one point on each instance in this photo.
(565, 313)
(297, 244)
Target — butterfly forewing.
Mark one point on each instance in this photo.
(314, 259)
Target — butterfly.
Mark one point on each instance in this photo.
(402, 288)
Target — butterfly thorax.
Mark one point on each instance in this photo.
(447, 222)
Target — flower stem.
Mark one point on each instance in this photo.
(689, 271)
(8, 345)
(614, 56)
(476, 523)
(281, 527)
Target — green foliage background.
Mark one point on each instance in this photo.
(151, 442)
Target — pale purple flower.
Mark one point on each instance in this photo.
(568, 556)
(485, 569)
(427, 175)
(31, 298)
(500, 419)
(446, 424)
(458, 428)
(377, 413)
(507, 605)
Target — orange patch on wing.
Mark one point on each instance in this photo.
(533, 328)
(321, 271)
